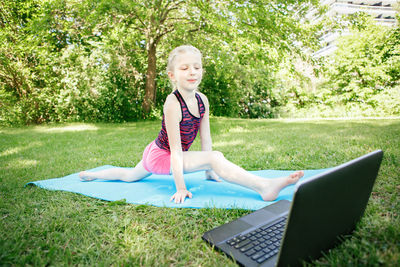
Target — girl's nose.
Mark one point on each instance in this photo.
(192, 70)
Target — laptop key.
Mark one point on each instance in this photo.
(258, 255)
(258, 248)
(247, 247)
(242, 243)
(231, 242)
(260, 244)
(267, 250)
(261, 259)
(250, 252)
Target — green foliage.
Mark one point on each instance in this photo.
(87, 61)
(221, 92)
(391, 55)
(364, 66)
(361, 78)
(17, 64)
(63, 60)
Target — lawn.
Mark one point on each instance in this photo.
(40, 227)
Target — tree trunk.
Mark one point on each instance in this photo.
(150, 90)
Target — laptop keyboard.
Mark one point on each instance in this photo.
(262, 243)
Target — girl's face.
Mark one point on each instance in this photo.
(188, 71)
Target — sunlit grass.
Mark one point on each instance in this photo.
(66, 128)
(40, 227)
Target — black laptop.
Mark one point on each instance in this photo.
(325, 208)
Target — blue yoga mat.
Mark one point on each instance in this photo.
(157, 190)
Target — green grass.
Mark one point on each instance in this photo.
(40, 227)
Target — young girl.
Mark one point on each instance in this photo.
(186, 111)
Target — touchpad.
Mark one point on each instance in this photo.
(259, 217)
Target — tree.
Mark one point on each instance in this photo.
(249, 41)
(16, 60)
(357, 69)
(157, 19)
(154, 19)
(99, 59)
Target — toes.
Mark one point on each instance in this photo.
(298, 174)
(83, 176)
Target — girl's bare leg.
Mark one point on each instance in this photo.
(123, 174)
(214, 160)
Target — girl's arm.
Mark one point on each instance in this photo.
(173, 116)
(205, 135)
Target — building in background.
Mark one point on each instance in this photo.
(383, 13)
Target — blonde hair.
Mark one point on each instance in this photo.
(175, 53)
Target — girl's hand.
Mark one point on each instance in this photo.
(180, 196)
(211, 175)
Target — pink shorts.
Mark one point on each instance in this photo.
(156, 160)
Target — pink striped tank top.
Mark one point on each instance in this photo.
(189, 125)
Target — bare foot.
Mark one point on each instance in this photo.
(85, 176)
(270, 190)
(214, 179)
(212, 176)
